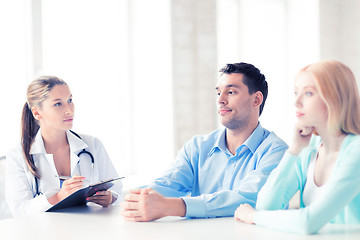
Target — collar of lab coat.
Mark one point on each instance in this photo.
(76, 144)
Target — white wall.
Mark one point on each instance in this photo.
(154, 63)
(194, 71)
(15, 62)
(340, 32)
(272, 35)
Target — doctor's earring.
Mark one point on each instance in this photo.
(35, 113)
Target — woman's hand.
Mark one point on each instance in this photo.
(301, 138)
(245, 213)
(103, 198)
(68, 187)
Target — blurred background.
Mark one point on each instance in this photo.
(143, 72)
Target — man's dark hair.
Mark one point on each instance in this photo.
(253, 78)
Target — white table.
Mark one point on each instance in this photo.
(106, 224)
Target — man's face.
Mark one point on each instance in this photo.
(235, 104)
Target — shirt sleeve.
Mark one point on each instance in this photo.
(178, 180)
(341, 189)
(19, 192)
(225, 202)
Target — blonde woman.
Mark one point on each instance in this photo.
(50, 152)
(325, 169)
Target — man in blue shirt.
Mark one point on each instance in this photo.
(214, 174)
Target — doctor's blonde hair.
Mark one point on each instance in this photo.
(339, 91)
(37, 92)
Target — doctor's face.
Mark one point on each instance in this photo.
(57, 110)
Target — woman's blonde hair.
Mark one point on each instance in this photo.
(37, 92)
(339, 91)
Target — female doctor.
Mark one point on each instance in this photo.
(49, 150)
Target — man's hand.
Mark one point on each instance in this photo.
(142, 205)
(245, 213)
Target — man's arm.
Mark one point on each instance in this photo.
(178, 181)
(160, 199)
(146, 205)
(224, 202)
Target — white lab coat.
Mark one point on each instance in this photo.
(20, 183)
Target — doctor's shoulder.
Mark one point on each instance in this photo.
(15, 157)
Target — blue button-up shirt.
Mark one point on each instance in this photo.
(212, 181)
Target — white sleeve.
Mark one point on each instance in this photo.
(19, 187)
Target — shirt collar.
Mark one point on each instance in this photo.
(255, 138)
(252, 142)
(220, 142)
(75, 143)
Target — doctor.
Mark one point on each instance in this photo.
(49, 151)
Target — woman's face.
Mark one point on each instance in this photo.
(311, 110)
(57, 111)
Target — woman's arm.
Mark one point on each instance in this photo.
(342, 188)
(281, 185)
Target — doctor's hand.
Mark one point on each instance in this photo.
(245, 213)
(68, 187)
(142, 205)
(301, 138)
(103, 198)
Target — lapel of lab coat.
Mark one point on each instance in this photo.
(76, 145)
(38, 150)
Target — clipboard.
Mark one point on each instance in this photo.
(79, 197)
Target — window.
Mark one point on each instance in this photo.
(115, 56)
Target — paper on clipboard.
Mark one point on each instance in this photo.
(79, 197)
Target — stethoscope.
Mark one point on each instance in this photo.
(79, 154)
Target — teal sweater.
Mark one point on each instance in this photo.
(340, 202)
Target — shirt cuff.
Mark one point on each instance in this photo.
(259, 218)
(194, 206)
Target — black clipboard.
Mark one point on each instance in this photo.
(79, 197)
